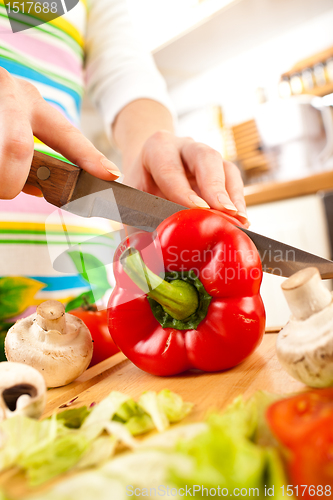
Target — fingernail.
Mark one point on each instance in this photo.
(110, 167)
(232, 208)
(242, 214)
(228, 206)
(199, 202)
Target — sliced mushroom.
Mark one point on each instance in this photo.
(22, 391)
(56, 343)
(305, 345)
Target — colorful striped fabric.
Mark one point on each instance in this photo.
(51, 57)
(33, 234)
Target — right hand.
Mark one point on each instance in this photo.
(23, 114)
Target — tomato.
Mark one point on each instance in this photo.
(304, 425)
(293, 419)
(312, 461)
(96, 321)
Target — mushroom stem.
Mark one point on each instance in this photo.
(305, 293)
(51, 316)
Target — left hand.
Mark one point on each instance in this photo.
(189, 173)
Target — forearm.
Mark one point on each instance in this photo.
(135, 123)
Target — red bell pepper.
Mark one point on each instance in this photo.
(206, 313)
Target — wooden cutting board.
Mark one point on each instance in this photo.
(261, 371)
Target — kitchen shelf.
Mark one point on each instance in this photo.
(239, 26)
(273, 191)
(322, 90)
(309, 62)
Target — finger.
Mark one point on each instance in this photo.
(52, 128)
(16, 151)
(206, 164)
(235, 188)
(161, 159)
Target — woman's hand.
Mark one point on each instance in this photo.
(189, 173)
(23, 114)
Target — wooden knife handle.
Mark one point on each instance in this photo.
(55, 178)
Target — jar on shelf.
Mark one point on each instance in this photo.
(307, 79)
(296, 84)
(329, 69)
(319, 74)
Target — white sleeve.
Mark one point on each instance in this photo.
(118, 70)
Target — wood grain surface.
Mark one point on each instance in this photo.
(261, 371)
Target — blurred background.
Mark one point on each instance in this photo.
(254, 80)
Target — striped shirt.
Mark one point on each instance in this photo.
(42, 249)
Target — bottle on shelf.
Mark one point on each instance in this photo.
(307, 79)
(296, 84)
(319, 74)
(329, 69)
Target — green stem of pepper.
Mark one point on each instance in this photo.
(178, 298)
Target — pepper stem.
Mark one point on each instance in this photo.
(178, 298)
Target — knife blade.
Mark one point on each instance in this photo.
(74, 190)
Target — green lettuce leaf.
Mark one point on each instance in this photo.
(101, 414)
(228, 454)
(173, 405)
(74, 417)
(139, 424)
(77, 438)
(20, 436)
(86, 486)
(136, 420)
(98, 452)
(127, 410)
(150, 403)
(55, 458)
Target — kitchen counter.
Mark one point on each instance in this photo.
(260, 371)
(273, 191)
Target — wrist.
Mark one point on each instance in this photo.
(135, 123)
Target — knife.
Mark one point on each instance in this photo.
(68, 187)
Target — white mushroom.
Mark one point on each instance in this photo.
(22, 391)
(305, 345)
(56, 343)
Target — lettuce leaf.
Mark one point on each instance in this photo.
(92, 484)
(20, 436)
(228, 454)
(55, 458)
(173, 405)
(74, 417)
(101, 414)
(78, 437)
(150, 403)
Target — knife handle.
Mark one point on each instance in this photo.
(55, 178)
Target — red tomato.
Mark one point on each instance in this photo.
(96, 321)
(312, 462)
(304, 424)
(293, 419)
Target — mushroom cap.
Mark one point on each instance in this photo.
(305, 348)
(59, 357)
(22, 391)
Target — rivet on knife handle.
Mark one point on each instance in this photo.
(55, 178)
